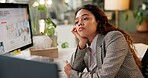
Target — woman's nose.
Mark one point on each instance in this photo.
(80, 23)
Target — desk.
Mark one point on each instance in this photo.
(65, 54)
(139, 37)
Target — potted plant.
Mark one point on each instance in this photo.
(50, 31)
(49, 27)
(41, 12)
(141, 16)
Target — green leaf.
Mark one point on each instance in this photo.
(42, 7)
(134, 14)
(64, 45)
(140, 17)
(49, 31)
(126, 17)
(50, 22)
(139, 14)
(140, 21)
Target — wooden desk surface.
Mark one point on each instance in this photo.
(139, 37)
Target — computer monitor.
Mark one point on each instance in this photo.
(15, 27)
(11, 67)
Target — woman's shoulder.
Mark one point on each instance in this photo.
(114, 34)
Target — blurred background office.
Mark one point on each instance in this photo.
(61, 12)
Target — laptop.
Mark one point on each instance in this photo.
(11, 67)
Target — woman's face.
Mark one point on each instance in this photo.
(86, 24)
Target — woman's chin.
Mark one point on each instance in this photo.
(83, 35)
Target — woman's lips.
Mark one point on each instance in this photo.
(81, 29)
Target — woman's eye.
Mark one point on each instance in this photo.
(85, 18)
(76, 23)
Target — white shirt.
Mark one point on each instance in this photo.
(93, 51)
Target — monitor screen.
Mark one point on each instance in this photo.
(15, 27)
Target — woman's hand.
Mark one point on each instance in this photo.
(67, 69)
(82, 40)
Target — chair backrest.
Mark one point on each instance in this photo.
(145, 64)
(11, 67)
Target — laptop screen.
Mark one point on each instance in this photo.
(11, 67)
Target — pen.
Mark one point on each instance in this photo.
(66, 62)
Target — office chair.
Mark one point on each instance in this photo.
(145, 64)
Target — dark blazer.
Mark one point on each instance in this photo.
(114, 59)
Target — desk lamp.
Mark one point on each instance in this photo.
(116, 5)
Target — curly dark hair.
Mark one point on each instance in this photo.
(104, 27)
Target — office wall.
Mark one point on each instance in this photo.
(130, 24)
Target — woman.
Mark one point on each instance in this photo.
(105, 51)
